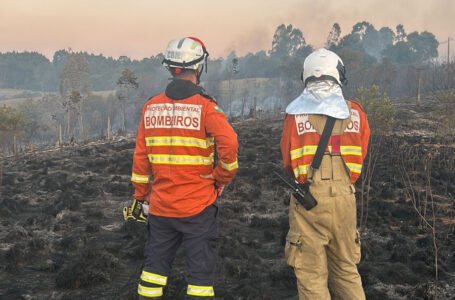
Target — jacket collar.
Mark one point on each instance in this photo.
(179, 89)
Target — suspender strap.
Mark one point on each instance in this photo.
(326, 133)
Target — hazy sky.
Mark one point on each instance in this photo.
(142, 28)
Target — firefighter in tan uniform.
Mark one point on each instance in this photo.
(323, 244)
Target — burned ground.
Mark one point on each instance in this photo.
(62, 234)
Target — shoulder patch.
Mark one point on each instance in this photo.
(218, 109)
(354, 125)
(173, 115)
(303, 125)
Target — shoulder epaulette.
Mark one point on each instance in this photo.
(151, 97)
(204, 94)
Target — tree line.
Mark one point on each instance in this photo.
(267, 80)
(364, 45)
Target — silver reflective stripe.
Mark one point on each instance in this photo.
(351, 150)
(305, 150)
(229, 167)
(181, 159)
(179, 141)
(149, 292)
(153, 278)
(140, 178)
(301, 169)
(355, 168)
(204, 291)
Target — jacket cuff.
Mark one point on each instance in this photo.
(221, 176)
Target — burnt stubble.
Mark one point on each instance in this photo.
(62, 235)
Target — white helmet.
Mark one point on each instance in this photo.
(323, 64)
(186, 53)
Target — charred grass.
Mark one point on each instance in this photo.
(62, 235)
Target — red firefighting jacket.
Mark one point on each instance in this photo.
(175, 144)
(300, 141)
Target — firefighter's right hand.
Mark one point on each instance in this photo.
(135, 212)
(219, 187)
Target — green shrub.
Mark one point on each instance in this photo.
(378, 107)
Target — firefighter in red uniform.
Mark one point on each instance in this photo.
(175, 146)
(323, 245)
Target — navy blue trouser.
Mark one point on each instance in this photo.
(199, 235)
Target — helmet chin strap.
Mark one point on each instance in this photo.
(204, 66)
(199, 73)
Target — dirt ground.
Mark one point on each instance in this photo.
(62, 235)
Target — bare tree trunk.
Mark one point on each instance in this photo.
(60, 137)
(123, 117)
(108, 128)
(230, 98)
(243, 107)
(81, 120)
(15, 145)
(255, 102)
(68, 115)
(126, 106)
(1, 177)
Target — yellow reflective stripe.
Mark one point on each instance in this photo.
(179, 141)
(153, 278)
(305, 150)
(351, 150)
(301, 169)
(229, 167)
(150, 291)
(180, 159)
(351, 153)
(204, 291)
(140, 178)
(355, 168)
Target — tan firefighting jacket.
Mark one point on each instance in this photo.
(300, 141)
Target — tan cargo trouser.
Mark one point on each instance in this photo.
(323, 244)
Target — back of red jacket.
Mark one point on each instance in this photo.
(175, 144)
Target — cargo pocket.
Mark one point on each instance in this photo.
(357, 253)
(326, 168)
(293, 248)
(340, 171)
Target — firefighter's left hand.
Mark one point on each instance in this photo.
(218, 186)
(135, 211)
